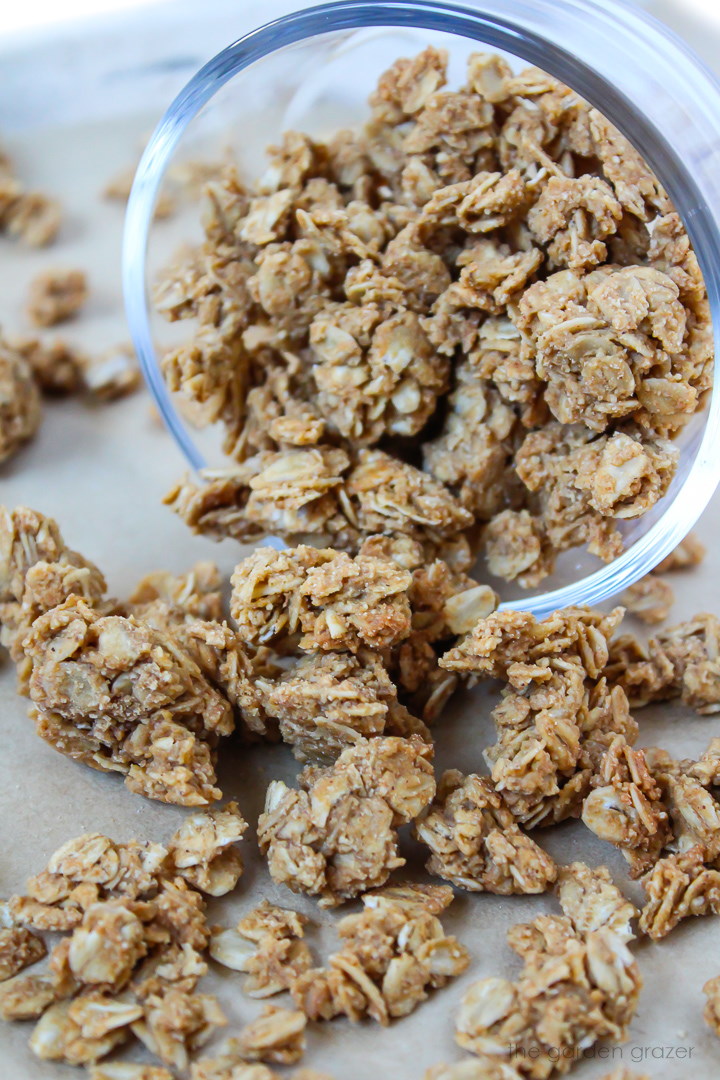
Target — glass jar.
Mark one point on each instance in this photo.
(313, 70)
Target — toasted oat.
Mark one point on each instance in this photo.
(267, 946)
(57, 366)
(176, 1023)
(337, 837)
(649, 599)
(591, 901)
(56, 295)
(475, 843)
(20, 410)
(164, 715)
(393, 953)
(689, 552)
(57, 1037)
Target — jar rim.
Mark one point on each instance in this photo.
(692, 195)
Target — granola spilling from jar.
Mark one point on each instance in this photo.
(477, 322)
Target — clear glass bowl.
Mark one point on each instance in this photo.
(313, 71)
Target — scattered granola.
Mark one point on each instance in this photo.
(689, 552)
(393, 952)
(56, 295)
(336, 836)
(679, 886)
(20, 411)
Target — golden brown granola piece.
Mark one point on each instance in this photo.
(393, 952)
(626, 807)
(56, 295)
(157, 724)
(574, 990)
(573, 216)
(636, 187)
(20, 411)
(26, 997)
(19, 948)
(176, 1023)
(376, 371)
(197, 593)
(107, 944)
(689, 552)
(649, 599)
(229, 1067)
(291, 494)
(58, 367)
(203, 849)
(591, 901)
(329, 701)
(682, 661)
(557, 715)
(711, 989)
(112, 375)
(517, 548)
(30, 215)
(475, 842)
(267, 946)
(337, 837)
(336, 602)
(473, 1069)
(677, 887)
(278, 1035)
(37, 572)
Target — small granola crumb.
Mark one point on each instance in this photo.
(56, 295)
(649, 599)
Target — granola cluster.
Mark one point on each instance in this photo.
(267, 945)
(30, 215)
(134, 916)
(664, 815)
(579, 984)
(20, 409)
(477, 321)
(557, 714)
(56, 295)
(682, 661)
(336, 836)
(393, 952)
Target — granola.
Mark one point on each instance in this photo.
(336, 836)
(649, 599)
(19, 948)
(393, 952)
(267, 945)
(203, 849)
(30, 215)
(574, 990)
(557, 714)
(681, 662)
(56, 295)
(677, 887)
(475, 842)
(487, 279)
(712, 1009)
(20, 409)
(689, 552)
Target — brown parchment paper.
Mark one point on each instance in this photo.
(102, 471)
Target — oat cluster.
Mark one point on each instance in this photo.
(31, 216)
(477, 321)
